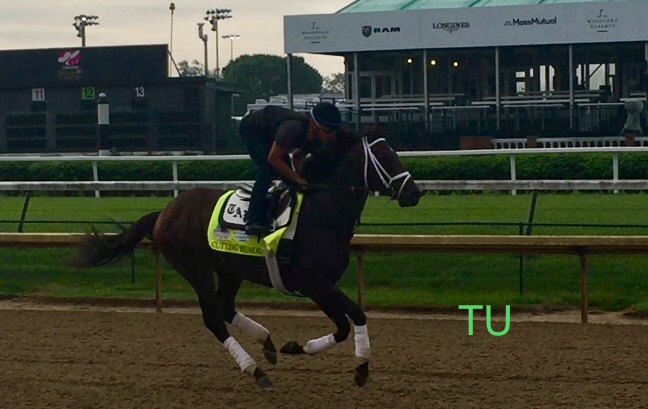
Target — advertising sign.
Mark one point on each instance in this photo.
(83, 66)
(575, 23)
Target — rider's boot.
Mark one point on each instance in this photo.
(259, 223)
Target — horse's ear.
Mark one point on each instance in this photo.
(372, 131)
(346, 137)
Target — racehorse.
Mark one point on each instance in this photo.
(342, 173)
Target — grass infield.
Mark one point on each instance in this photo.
(616, 282)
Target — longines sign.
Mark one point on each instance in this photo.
(591, 22)
(451, 27)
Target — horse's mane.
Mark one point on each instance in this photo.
(325, 160)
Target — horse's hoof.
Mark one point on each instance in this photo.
(269, 351)
(292, 348)
(361, 374)
(262, 380)
(270, 356)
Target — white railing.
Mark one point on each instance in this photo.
(175, 184)
(576, 142)
(425, 185)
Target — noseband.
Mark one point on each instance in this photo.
(386, 179)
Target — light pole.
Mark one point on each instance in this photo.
(203, 37)
(232, 37)
(172, 8)
(213, 16)
(81, 22)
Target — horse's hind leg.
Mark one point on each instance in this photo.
(201, 279)
(228, 286)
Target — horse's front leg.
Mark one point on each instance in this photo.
(336, 305)
(319, 345)
(362, 352)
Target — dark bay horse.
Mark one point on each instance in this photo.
(347, 170)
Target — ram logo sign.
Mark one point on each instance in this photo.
(367, 31)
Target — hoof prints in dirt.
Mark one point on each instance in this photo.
(126, 360)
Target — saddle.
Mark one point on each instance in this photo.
(282, 202)
(226, 232)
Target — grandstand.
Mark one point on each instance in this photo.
(434, 71)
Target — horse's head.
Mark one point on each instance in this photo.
(364, 161)
(383, 171)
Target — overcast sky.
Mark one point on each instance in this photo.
(48, 24)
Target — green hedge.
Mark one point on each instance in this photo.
(546, 166)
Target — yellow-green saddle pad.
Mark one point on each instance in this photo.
(226, 231)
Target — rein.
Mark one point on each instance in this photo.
(329, 186)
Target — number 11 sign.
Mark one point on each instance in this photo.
(38, 94)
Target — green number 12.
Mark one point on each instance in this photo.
(88, 93)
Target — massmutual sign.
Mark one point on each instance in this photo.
(535, 21)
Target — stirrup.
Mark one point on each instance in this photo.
(277, 185)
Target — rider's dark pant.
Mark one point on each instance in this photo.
(258, 147)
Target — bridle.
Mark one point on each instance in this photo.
(386, 179)
(369, 157)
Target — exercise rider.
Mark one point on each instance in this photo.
(270, 134)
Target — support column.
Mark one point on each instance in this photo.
(498, 98)
(426, 93)
(3, 131)
(356, 89)
(450, 77)
(411, 78)
(289, 76)
(346, 78)
(646, 73)
(571, 86)
(607, 74)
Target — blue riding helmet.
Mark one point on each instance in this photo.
(327, 116)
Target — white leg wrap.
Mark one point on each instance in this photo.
(242, 358)
(315, 346)
(258, 331)
(362, 344)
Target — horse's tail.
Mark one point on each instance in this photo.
(99, 249)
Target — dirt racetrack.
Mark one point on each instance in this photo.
(136, 360)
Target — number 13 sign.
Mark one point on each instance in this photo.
(38, 94)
